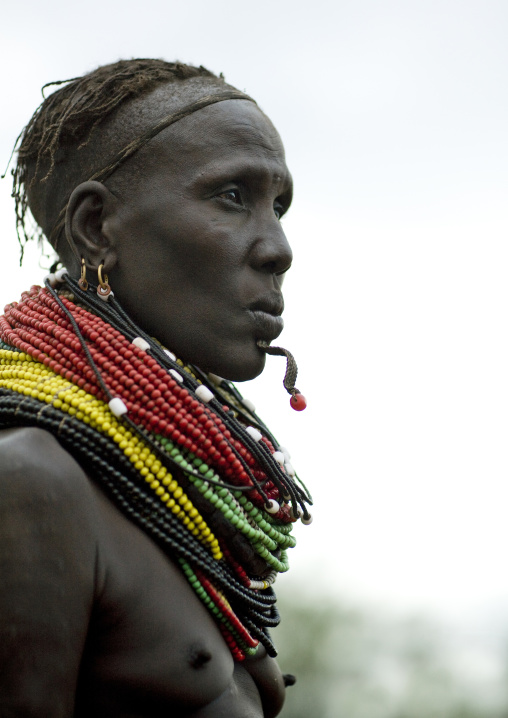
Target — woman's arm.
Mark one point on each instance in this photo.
(47, 563)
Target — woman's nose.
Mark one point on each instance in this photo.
(272, 252)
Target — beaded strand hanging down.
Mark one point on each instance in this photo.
(181, 453)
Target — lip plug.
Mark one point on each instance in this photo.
(297, 400)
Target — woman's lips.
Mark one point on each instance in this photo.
(272, 303)
(267, 326)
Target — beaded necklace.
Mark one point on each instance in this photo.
(180, 453)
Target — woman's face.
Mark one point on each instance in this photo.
(200, 251)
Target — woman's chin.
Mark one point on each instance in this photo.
(239, 368)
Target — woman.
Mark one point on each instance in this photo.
(145, 509)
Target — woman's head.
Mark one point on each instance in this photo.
(81, 125)
(188, 226)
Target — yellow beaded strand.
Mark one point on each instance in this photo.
(23, 374)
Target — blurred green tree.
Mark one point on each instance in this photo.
(355, 664)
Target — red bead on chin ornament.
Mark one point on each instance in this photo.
(298, 402)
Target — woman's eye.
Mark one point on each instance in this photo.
(278, 209)
(233, 195)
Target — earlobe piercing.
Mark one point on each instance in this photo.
(103, 288)
(82, 280)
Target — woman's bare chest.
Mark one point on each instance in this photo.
(151, 642)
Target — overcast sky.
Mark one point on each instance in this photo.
(395, 118)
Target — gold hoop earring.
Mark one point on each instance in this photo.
(103, 288)
(82, 280)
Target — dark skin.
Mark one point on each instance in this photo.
(94, 619)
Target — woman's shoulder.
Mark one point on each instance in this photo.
(31, 458)
(47, 554)
(44, 492)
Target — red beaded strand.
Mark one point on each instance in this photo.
(237, 568)
(90, 353)
(226, 610)
(134, 376)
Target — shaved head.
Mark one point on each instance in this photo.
(79, 128)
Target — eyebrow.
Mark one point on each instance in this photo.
(120, 157)
(236, 169)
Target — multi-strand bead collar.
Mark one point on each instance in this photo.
(181, 454)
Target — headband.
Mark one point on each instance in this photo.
(140, 141)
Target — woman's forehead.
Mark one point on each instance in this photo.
(233, 133)
(229, 141)
(229, 128)
(140, 114)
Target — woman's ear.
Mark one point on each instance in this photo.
(89, 204)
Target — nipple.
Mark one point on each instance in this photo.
(199, 657)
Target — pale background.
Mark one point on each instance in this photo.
(395, 119)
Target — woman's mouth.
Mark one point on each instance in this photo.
(268, 326)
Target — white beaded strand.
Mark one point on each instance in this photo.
(204, 393)
(254, 433)
(141, 343)
(117, 407)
